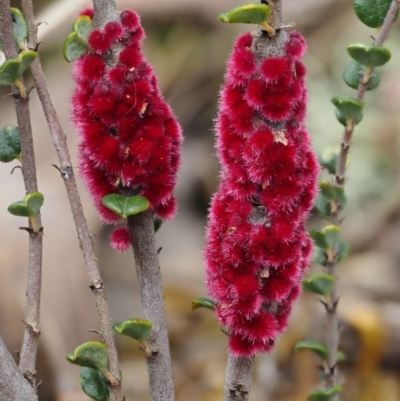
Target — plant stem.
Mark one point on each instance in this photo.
(104, 11)
(13, 386)
(332, 326)
(32, 311)
(141, 231)
(84, 236)
(238, 378)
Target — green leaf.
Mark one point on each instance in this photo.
(203, 303)
(342, 250)
(320, 257)
(82, 26)
(248, 13)
(329, 159)
(26, 57)
(157, 224)
(313, 346)
(319, 239)
(349, 107)
(125, 206)
(139, 329)
(73, 48)
(92, 354)
(323, 205)
(325, 395)
(331, 234)
(353, 74)
(372, 12)
(29, 206)
(94, 384)
(342, 119)
(9, 71)
(10, 144)
(331, 198)
(373, 56)
(20, 27)
(320, 284)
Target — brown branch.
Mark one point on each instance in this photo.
(141, 231)
(104, 10)
(67, 173)
(332, 326)
(32, 311)
(13, 386)
(238, 378)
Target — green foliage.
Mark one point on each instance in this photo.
(10, 144)
(352, 75)
(372, 56)
(29, 206)
(313, 346)
(73, 48)
(342, 119)
(248, 13)
(94, 384)
(349, 107)
(139, 329)
(320, 284)
(372, 12)
(92, 355)
(82, 26)
(325, 395)
(20, 27)
(157, 224)
(331, 198)
(203, 303)
(26, 57)
(329, 159)
(9, 71)
(125, 206)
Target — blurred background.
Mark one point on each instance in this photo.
(188, 48)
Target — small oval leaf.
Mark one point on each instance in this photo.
(320, 284)
(139, 329)
(353, 73)
(342, 119)
(349, 107)
(325, 395)
(92, 354)
(157, 224)
(94, 384)
(10, 143)
(373, 56)
(20, 27)
(9, 71)
(203, 303)
(73, 48)
(26, 57)
(82, 26)
(125, 206)
(248, 13)
(33, 202)
(372, 12)
(18, 209)
(313, 346)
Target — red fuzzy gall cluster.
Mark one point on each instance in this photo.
(257, 246)
(129, 138)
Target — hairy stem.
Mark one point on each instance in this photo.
(32, 310)
(13, 386)
(332, 326)
(141, 231)
(104, 11)
(84, 236)
(238, 378)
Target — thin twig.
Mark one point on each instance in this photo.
(13, 386)
(141, 230)
(104, 11)
(85, 241)
(332, 326)
(32, 310)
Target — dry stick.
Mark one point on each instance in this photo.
(13, 386)
(84, 236)
(141, 231)
(332, 327)
(240, 369)
(32, 311)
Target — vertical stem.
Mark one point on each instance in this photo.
(32, 312)
(13, 386)
(104, 11)
(238, 378)
(84, 236)
(141, 231)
